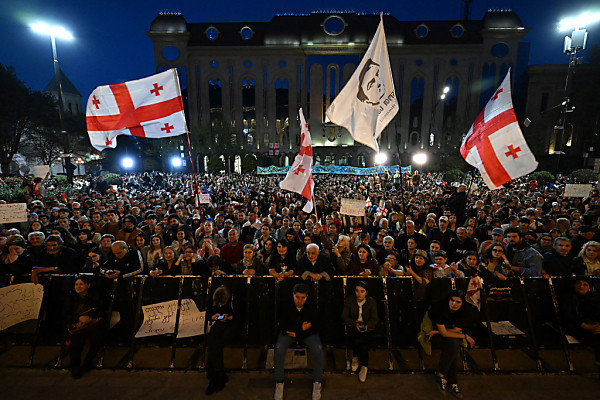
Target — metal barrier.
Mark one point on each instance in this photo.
(531, 305)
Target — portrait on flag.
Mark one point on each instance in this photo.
(150, 107)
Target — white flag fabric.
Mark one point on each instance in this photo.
(150, 107)
(299, 178)
(367, 103)
(474, 291)
(495, 144)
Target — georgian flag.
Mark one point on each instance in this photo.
(474, 291)
(367, 103)
(149, 107)
(299, 178)
(495, 144)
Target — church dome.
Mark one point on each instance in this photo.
(501, 19)
(169, 23)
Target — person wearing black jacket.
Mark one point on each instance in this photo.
(558, 261)
(56, 258)
(458, 203)
(314, 265)
(123, 262)
(299, 321)
(411, 233)
(82, 308)
(18, 261)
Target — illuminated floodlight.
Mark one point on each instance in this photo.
(578, 22)
(380, 158)
(176, 161)
(420, 158)
(127, 163)
(443, 96)
(57, 31)
(446, 89)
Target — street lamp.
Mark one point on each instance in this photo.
(380, 158)
(420, 158)
(442, 97)
(176, 162)
(576, 42)
(79, 161)
(127, 163)
(54, 32)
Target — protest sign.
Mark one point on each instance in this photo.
(19, 303)
(204, 198)
(353, 207)
(159, 319)
(14, 212)
(577, 190)
(40, 171)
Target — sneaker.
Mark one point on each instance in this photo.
(355, 364)
(441, 383)
(362, 375)
(278, 391)
(316, 394)
(455, 391)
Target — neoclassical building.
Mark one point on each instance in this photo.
(257, 75)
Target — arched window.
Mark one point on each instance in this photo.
(416, 103)
(249, 108)
(414, 138)
(332, 87)
(215, 100)
(282, 108)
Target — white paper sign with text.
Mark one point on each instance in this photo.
(353, 207)
(577, 190)
(159, 319)
(19, 303)
(14, 212)
(204, 198)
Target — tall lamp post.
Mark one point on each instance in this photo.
(442, 97)
(576, 42)
(63, 34)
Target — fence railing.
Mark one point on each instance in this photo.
(530, 304)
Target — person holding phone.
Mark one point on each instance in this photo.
(223, 331)
(360, 317)
(448, 318)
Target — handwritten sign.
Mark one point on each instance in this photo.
(353, 207)
(159, 319)
(15, 212)
(204, 198)
(577, 190)
(40, 170)
(19, 303)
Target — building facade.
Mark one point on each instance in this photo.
(256, 76)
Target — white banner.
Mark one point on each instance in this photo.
(19, 303)
(40, 171)
(159, 319)
(577, 190)
(204, 198)
(353, 207)
(14, 212)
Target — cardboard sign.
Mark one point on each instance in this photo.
(159, 319)
(577, 190)
(204, 198)
(353, 207)
(19, 303)
(15, 212)
(40, 171)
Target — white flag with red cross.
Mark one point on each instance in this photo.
(149, 107)
(495, 144)
(299, 178)
(273, 149)
(474, 291)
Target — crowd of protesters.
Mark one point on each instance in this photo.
(414, 225)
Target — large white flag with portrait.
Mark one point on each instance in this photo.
(367, 103)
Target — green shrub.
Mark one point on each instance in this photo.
(113, 179)
(585, 176)
(454, 175)
(59, 180)
(544, 178)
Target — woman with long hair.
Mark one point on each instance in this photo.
(283, 262)
(364, 264)
(419, 269)
(65, 235)
(266, 252)
(166, 266)
(495, 261)
(155, 250)
(588, 260)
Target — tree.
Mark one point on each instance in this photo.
(249, 163)
(215, 164)
(217, 139)
(585, 175)
(21, 111)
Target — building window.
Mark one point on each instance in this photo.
(282, 64)
(249, 106)
(246, 32)
(213, 64)
(457, 30)
(215, 100)
(212, 33)
(421, 31)
(416, 103)
(544, 103)
(334, 25)
(282, 109)
(247, 64)
(500, 50)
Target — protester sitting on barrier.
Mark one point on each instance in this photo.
(524, 259)
(224, 330)
(581, 313)
(267, 251)
(299, 321)
(18, 261)
(360, 317)
(84, 313)
(448, 318)
(495, 261)
(558, 261)
(283, 262)
(315, 265)
(363, 265)
(123, 262)
(588, 261)
(391, 265)
(250, 265)
(36, 244)
(56, 258)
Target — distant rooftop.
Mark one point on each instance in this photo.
(67, 85)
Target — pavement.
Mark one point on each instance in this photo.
(106, 384)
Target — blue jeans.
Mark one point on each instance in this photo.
(314, 344)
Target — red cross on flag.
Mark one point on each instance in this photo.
(495, 144)
(150, 107)
(299, 178)
(474, 291)
(273, 149)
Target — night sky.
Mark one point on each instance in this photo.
(110, 45)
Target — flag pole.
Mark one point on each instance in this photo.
(187, 134)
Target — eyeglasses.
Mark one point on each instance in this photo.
(381, 235)
(497, 251)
